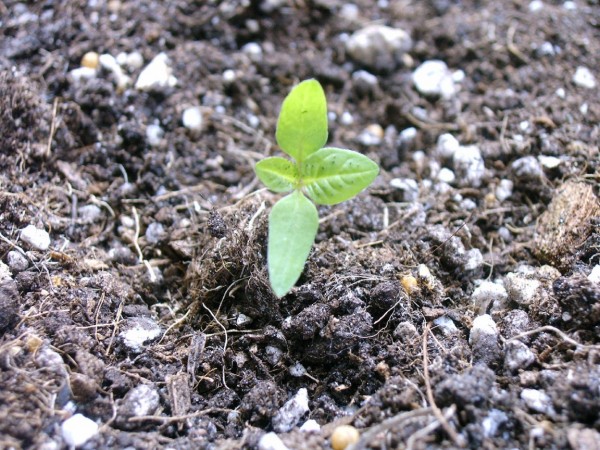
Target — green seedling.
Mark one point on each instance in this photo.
(327, 175)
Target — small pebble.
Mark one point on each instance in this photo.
(271, 441)
(408, 186)
(372, 135)
(78, 429)
(484, 340)
(192, 118)
(82, 73)
(90, 60)
(549, 162)
(493, 422)
(36, 238)
(253, 50)
(594, 275)
(561, 93)
(408, 135)
(291, 412)
(522, 290)
(433, 78)
(445, 175)
(109, 63)
(535, 6)
(157, 74)
(486, 294)
(155, 233)
(473, 259)
(17, 261)
(446, 325)
(468, 166)
(569, 6)
(527, 168)
(310, 426)
(447, 145)
(537, 401)
(297, 370)
(346, 118)
(504, 190)
(142, 400)
(517, 356)
(273, 355)
(583, 77)
(89, 213)
(154, 134)
(138, 331)
(344, 436)
(379, 47)
(229, 76)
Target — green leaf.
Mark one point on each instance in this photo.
(333, 175)
(278, 174)
(302, 123)
(293, 225)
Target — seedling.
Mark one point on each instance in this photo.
(326, 175)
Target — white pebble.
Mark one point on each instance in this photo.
(537, 401)
(447, 145)
(517, 356)
(474, 259)
(291, 412)
(349, 11)
(297, 370)
(433, 78)
(583, 77)
(154, 233)
(229, 76)
(549, 162)
(364, 77)
(253, 50)
(156, 74)
(527, 167)
(78, 429)
(408, 186)
(271, 441)
(310, 426)
(486, 294)
(154, 134)
(82, 73)
(535, 6)
(346, 118)
(521, 290)
(594, 275)
(108, 62)
(468, 165)
(569, 6)
(372, 135)
(493, 421)
(408, 135)
(36, 238)
(483, 328)
(142, 400)
(16, 261)
(192, 118)
(139, 331)
(378, 46)
(253, 120)
(446, 325)
(445, 175)
(504, 189)
(89, 213)
(560, 93)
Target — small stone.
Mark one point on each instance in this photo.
(535, 6)
(253, 50)
(486, 294)
(349, 12)
(134, 61)
(36, 238)
(570, 6)
(446, 325)
(445, 175)
(586, 438)
(89, 213)
(109, 63)
(594, 275)
(473, 259)
(343, 436)
(157, 74)
(484, 340)
(504, 190)
(271, 441)
(407, 333)
(561, 93)
(408, 186)
(297, 370)
(155, 233)
(537, 401)
(143, 400)
(82, 73)
(291, 412)
(379, 47)
(17, 261)
(517, 356)
(372, 135)
(407, 135)
(273, 355)
(493, 422)
(192, 118)
(549, 162)
(154, 134)
(583, 77)
(78, 429)
(527, 168)
(268, 6)
(521, 289)
(90, 60)
(447, 145)
(310, 426)
(362, 76)
(433, 78)
(346, 118)
(229, 76)
(138, 331)
(468, 166)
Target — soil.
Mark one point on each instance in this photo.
(150, 312)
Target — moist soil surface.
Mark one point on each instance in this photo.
(454, 303)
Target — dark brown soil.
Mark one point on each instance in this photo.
(150, 313)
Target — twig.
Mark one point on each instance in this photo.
(166, 419)
(512, 48)
(136, 236)
(458, 440)
(420, 434)
(224, 345)
(52, 128)
(562, 335)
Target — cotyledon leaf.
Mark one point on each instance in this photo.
(278, 174)
(293, 224)
(333, 175)
(302, 123)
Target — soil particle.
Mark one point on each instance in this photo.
(261, 403)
